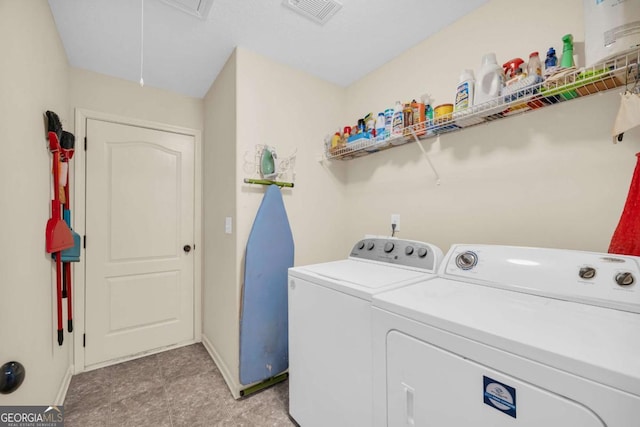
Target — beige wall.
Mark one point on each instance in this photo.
(105, 94)
(257, 101)
(434, 65)
(220, 300)
(33, 79)
(548, 178)
(292, 111)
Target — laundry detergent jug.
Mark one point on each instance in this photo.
(489, 80)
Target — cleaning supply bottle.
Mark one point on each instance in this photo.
(335, 140)
(567, 52)
(464, 92)
(428, 112)
(513, 71)
(551, 62)
(407, 117)
(534, 66)
(380, 127)
(397, 123)
(370, 123)
(418, 117)
(388, 122)
(490, 80)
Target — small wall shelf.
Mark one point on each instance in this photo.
(563, 86)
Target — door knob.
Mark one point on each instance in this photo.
(187, 248)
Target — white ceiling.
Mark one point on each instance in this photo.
(184, 53)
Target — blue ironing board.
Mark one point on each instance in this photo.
(264, 325)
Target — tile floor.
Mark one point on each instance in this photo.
(180, 387)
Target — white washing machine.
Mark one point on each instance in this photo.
(330, 327)
(511, 336)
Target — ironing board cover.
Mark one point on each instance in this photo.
(264, 326)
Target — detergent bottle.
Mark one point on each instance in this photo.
(464, 92)
(388, 122)
(490, 80)
(397, 123)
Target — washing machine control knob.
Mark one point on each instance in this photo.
(408, 250)
(360, 245)
(466, 260)
(587, 273)
(422, 252)
(370, 246)
(388, 247)
(624, 279)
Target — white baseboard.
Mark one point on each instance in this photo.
(64, 386)
(232, 383)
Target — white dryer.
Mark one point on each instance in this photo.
(330, 327)
(511, 336)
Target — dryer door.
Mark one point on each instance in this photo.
(429, 386)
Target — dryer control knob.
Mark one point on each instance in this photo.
(422, 252)
(370, 246)
(388, 247)
(360, 245)
(466, 260)
(587, 273)
(624, 279)
(408, 250)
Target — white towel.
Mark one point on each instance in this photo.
(628, 115)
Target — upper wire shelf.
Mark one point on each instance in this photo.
(565, 85)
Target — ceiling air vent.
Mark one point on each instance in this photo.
(199, 8)
(317, 10)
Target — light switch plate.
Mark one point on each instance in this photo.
(228, 225)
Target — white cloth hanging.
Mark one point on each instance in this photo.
(628, 115)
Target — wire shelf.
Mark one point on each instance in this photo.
(564, 85)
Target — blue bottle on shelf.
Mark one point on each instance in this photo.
(552, 59)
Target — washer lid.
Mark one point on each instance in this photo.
(593, 342)
(359, 278)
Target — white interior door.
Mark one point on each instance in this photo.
(139, 219)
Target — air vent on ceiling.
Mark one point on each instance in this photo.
(199, 8)
(317, 10)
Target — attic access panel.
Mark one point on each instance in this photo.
(198, 8)
(319, 11)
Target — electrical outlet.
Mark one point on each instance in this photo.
(395, 219)
(228, 227)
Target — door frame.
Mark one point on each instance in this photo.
(77, 182)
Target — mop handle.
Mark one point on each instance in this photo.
(67, 265)
(59, 295)
(55, 212)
